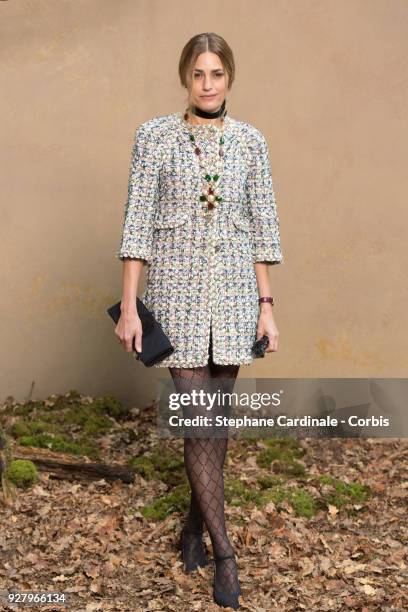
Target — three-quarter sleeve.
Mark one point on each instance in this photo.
(264, 226)
(137, 230)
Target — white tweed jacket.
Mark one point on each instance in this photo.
(200, 265)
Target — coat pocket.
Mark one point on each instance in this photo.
(241, 222)
(170, 220)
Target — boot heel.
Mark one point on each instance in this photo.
(224, 598)
(202, 560)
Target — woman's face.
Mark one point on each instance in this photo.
(209, 82)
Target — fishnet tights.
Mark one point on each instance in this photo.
(204, 457)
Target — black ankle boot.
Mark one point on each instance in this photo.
(201, 559)
(225, 598)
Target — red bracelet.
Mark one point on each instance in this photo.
(266, 299)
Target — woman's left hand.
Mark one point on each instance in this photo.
(267, 326)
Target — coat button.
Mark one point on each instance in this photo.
(217, 248)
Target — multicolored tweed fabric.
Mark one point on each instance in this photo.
(200, 272)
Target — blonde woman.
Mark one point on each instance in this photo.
(201, 214)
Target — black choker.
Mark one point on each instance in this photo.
(196, 110)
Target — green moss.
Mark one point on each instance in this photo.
(58, 443)
(58, 403)
(50, 433)
(268, 481)
(19, 428)
(271, 488)
(283, 452)
(288, 444)
(290, 468)
(22, 473)
(22, 409)
(238, 493)
(303, 503)
(97, 425)
(355, 491)
(27, 428)
(70, 423)
(326, 479)
(279, 448)
(162, 463)
(275, 495)
(93, 417)
(252, 439)
(27, 408)
(343, 493)
(83, 417)
(144, 466)
(268, 455)
(90, 421)
(53, 430)
(111, 406)
(178, 500)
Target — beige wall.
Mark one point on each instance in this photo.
(324, 80)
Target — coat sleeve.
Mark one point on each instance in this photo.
(264, 226)
(137, 229)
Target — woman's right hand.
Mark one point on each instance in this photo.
(130, 326)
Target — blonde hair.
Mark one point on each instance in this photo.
(201, 43)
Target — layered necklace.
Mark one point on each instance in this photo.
(210, 194)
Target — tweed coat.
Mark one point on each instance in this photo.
(200, 265)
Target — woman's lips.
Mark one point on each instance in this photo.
(209, 97)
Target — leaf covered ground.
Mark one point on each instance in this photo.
(316, 524)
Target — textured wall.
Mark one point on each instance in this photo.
(326, 83)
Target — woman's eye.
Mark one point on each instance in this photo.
(218, 74)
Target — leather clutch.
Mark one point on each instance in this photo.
(155, 344)
(259, 346)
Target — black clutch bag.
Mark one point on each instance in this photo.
(155, 344)
(259, 346)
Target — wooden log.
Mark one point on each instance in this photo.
(64, 466)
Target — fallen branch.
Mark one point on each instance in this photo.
(63, 466)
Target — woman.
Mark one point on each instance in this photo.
(201, 213)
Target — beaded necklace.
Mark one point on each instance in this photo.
(210, 192)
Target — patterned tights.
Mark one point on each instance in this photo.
(204, 457)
